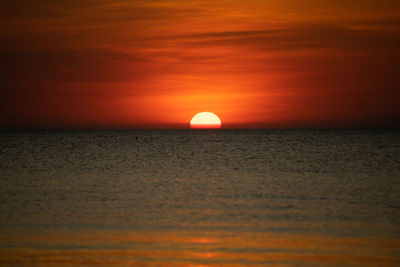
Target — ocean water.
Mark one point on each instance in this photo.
(200, 198)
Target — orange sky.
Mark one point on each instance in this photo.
(155, 64)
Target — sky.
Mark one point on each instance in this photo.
(155, 64)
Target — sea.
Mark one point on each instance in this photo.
(291, 197)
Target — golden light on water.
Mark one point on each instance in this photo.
(182, 248)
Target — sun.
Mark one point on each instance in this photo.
(205, 120)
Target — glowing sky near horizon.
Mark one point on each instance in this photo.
(155, 64)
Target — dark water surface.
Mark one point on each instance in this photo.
(200, 198)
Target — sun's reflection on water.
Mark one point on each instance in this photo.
(195, 248)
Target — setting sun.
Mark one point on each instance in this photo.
(205, 120)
